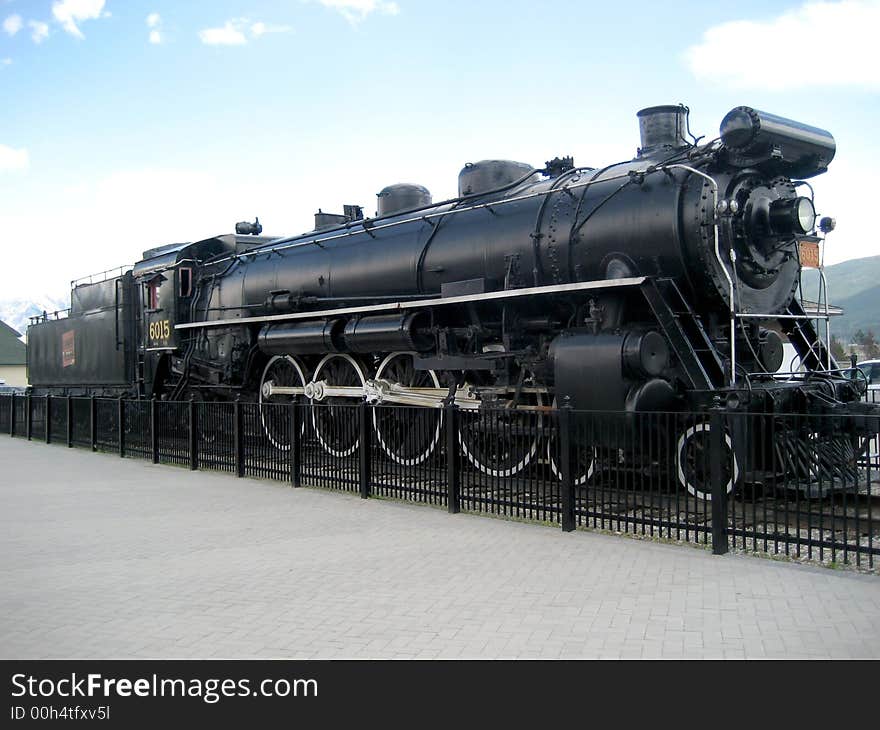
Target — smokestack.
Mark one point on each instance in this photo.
(662, 128)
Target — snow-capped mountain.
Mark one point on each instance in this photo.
(15, 312)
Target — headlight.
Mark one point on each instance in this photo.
(806, 215)
(793, 215)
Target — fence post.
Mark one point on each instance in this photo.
(364, 434)
(193, 436)
(93, 423)
(48, 418)
(717, 481)
(28, 416)
(154, 435)
(69, 421)
(566, 495)
(120, 436)
(11, 415)
(453, 463)
(295, 444)
(237, 438)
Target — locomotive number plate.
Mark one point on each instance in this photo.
(160, 331)
(808, 252)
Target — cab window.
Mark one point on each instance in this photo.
(153, 294)
(185, 279)
(153, 285)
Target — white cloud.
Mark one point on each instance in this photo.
(355, 11)
(5, 62)
(71, 12)
(12, 159)
(841, 37)
(12, 24)
(235, 32)
(154, 22)
(259, 29)
(230, 34)
(39, 30)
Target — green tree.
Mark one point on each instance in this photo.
(868, 343)
(837, 351)
(872, 347)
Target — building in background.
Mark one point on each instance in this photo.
(13, 357)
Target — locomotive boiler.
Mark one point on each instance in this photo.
(662, 283)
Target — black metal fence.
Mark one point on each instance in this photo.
(801, 485)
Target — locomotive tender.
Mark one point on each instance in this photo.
(659, 283)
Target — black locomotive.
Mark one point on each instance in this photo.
(666, 282)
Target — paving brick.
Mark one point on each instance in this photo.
(107, 557)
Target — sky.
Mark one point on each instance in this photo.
(126, 125)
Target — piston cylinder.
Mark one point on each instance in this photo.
(389, 333)
(302, 338)
(611, 371)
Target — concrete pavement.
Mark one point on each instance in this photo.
(104, 557)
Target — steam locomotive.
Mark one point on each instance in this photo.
(662, 283)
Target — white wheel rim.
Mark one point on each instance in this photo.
(517, 468)
(302, 380)
(415, 461)
(581, 480)
(683, 480)
(339, 453)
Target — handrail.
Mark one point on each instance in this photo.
(717, 250)
(47, 316)
(90, 279)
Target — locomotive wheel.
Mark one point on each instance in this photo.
(407, 435)
(584, 466)
(281, 370)
(501, 442)
(335, 419)
(693, 463)
(585, 461)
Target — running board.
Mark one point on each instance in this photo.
(532, 291)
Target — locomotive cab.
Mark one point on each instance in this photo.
(168, 279)
(158, 276)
